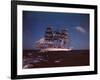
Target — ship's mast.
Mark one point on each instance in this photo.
(64, 37)
(49, 36)
(56, 38)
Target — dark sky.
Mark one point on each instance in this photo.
(35, 23)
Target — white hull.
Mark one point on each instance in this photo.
(55, 49)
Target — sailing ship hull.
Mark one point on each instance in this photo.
(55, 49)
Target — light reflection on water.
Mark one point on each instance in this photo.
(35, 60)
(30, 61)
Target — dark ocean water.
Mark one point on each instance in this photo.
(36, 59)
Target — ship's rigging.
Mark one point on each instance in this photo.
(54, 39)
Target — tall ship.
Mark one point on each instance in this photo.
(54, 40)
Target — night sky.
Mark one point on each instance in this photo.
(35, 23)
